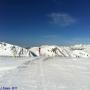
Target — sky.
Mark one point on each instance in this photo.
(37, 22)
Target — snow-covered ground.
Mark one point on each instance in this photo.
(45, 73)
(47, 67)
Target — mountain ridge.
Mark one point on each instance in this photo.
(78, 50)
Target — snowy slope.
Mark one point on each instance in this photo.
(43, 73)
(45, 50)
(35, 50)
(49, 67)
(12, 50)
(80, 50)
(62, 51)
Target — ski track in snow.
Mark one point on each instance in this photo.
(45, 73)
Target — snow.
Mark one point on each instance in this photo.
(13, 50)
(63, 51)
(45, 73)
(47, 67)
(35, 50)
(79, 53)
(45, 50)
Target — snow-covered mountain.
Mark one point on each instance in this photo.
(46, 72)
(45, 50)
(13, 50)
(62, 51)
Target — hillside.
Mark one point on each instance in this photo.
(45, 50)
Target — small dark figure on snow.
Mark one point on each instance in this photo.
(39, 51)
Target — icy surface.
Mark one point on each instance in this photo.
(45, 73)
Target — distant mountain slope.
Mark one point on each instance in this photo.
(62, 51)
(13, 50)
(45, 50)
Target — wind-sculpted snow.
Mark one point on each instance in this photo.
(47, 73)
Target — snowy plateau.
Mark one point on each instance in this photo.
(47, 67)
